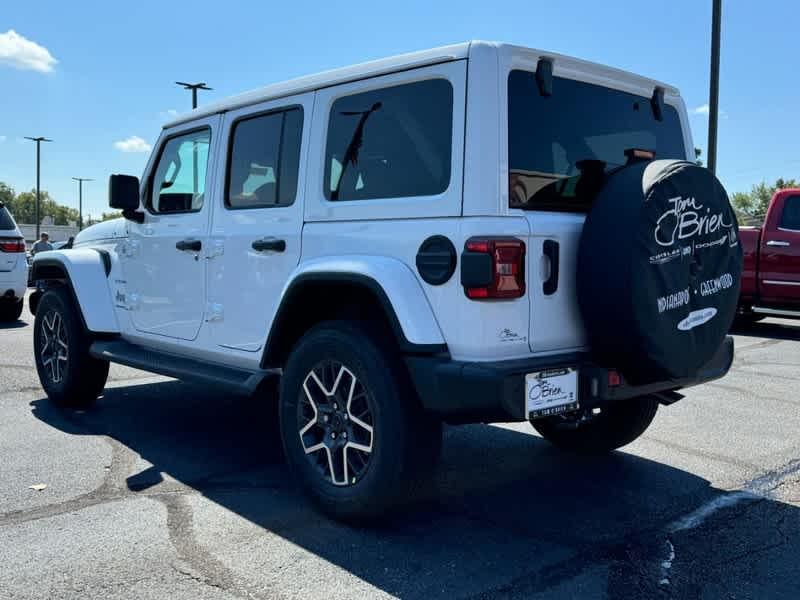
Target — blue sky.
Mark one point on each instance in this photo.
(98, 75)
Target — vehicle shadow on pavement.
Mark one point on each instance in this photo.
(505, 514)
(13, 325)
(769, 329)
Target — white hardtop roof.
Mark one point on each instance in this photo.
(393, 64)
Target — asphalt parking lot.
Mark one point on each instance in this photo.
(170, 490)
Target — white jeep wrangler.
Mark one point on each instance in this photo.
(474, 233)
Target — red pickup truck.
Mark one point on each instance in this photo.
(771, 274)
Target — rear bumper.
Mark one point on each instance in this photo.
(15, 281)
(481, 392)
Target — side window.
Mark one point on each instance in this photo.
(264, 160)
(392, 142)
(790, 219)
(179, 181)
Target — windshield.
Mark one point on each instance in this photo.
(6, 222)
(561, 146)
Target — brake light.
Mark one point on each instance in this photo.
(503, 269)
(12, 245)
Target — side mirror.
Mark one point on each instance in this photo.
(123, 193)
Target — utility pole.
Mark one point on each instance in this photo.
(713, 100)
(80, 181)
(38, 141)
(194, 87)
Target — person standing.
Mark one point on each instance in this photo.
(42, 245)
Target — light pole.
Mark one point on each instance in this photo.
(38, 141)
(713, 100)
(194, 87)
(80, 181)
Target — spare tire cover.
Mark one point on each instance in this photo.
(658, 271)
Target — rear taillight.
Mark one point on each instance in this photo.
(12, 245)
(497, 268)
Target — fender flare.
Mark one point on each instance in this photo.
(85, 272)
(390, 280)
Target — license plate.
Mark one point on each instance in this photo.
(551, 392)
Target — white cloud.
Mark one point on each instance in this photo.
(170, 113)
(21, 53)
(132, 144)
(704, 109)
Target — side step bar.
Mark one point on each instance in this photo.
(186, 369)
(775, 312)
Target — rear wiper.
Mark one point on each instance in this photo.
(351, 153)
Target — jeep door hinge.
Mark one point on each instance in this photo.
(213, 312)
(216, 247)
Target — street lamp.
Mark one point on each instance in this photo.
(713, 100)
(80, 181)
(194, 87)
(38, 141)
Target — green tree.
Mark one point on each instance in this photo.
(6, 194)
(752, 205)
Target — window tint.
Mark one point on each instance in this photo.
(790, 219)
(264, 160)
(6, 222)
(561, 146)
(179, 181)
(390, 143)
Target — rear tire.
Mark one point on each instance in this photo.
(70, 376)
(617, 425)
(10, 311)
(352, 429)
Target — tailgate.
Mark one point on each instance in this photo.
(555, 321)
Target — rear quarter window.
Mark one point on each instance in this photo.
(6, 221)
(392, 142)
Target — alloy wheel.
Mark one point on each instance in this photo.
(54, 351)
(335, 423)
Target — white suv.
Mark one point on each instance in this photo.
(13, 267)
(474, 233)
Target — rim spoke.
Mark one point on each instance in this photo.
(334, 415)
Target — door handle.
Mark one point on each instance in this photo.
(551, 251)
(778, 243)
(193, 245)
(273, 244)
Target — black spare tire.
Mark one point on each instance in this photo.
(658, 271)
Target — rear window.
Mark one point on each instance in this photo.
(560, 146)
(6, 222)
(392, 142)
(790, 219)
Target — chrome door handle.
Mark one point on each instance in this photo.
(778, 243)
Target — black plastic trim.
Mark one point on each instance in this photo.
(436, 260)
(106, 260)
(180, 367)
(551, 250)
(467, 392)
(406, 346)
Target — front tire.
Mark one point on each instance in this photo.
(615, 426)
(350, 421)
(70, 376)
(10, 311)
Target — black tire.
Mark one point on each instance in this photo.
(615, 426)
(356, 382)
(70, 376)
(10, 311)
